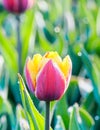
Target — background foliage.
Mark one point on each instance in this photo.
(68, 27)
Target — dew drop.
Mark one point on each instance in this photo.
(79, 54)
(97, 117)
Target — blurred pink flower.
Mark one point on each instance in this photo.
(17, 6)
(48, 76)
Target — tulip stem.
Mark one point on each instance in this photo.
(47, 116)
(19, 45)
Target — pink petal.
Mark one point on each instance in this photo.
(50, 83)
(28, 79)
(17, 6)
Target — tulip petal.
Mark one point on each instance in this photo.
(54, 57)
(28, 77)
(50, 82)
(23, 5)
(30, 3)
(31, 70)
(17, 6)
(67, 69)
(66, 66)
(8, 4)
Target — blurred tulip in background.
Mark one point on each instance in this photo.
(17, 6)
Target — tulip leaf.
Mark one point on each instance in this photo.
(3, 124)
(33, 112)
(64, 114)
(73, 125)
(56, 7)
(20, 113)
(59, 124)
(89, 16)
(86, 118)
(73, 93)
(90, 104)
(76, 61)
(98, 21)
(5, 108)
(47, 46)
(2, 16)
(10, 55)
(80, 119)
(22, 120)
(22, 91)
(37, 118)
(93, 74)
(27, 31)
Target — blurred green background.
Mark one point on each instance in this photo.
(68, 27)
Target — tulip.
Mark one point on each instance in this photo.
(48, 76)
(17, 6)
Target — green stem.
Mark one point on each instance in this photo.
(47, 116)
(19, 45)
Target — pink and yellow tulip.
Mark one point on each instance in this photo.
(48, 76)
(17, 6)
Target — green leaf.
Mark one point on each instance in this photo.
(73, 125)
(47, 46)
(98, 21)
(86, 118)
(93, 74)
(22, 88)
(5, 108)
(89, 16)
(73, 93)
(3, 122)
(59, 124)
(9, 52)
(22, 119)
(3, 15)
(20, 113)
(55, 6)
(64, 114)
(37, 118)
(80, 119)
(90, 104)
(76, 62)
(27, 33)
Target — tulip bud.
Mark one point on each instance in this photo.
(17, 6)
(48, 76)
